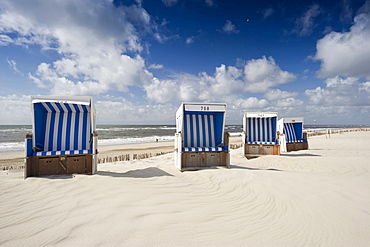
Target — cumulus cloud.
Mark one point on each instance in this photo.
(289, 102)
(346, 53)
(305, 24)
(15, 109)
(229, 28)
(262, 74)
(251, 103)
(93, 41)
(276, 94)
(257, 76)
(115, 110)
(341, 92)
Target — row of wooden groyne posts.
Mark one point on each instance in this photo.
(129, 157)
(316, 132)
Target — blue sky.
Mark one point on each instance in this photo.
(141, 59)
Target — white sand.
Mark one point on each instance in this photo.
(314, 197)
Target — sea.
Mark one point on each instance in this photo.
(12, 137)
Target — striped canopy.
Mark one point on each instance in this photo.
(203, 130)
(260, 129)
(293, 132)
(199, 131)
(62, 125)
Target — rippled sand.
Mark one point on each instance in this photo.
(314, 197)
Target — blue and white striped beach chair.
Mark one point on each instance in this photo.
(200, 139)
(293, 138)
(64, 140)
(260, 134)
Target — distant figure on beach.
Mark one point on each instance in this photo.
(156, 140)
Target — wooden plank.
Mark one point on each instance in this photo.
(48, 166)
(76, 164)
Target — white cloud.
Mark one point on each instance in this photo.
(156, 66)
(365, 8)
(15, 109)
(348, 53)
(162, 91)
(229, 28)
(169, 3)
(276, 94)
(190, 40)
(268, 12)
(93, 41)
(210, 3)
(341, 92)
(289, 102)
(257, 76)
(262, 74)
(5, 40)
(346, 13)
(251, 103)
(13, 65)
(120, 111)
(305, 24)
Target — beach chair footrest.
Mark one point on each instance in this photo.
(261, 149)
(58, 165)
(205, 159)
(296, 146)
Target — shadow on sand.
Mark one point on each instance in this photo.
(61, 176)
(140, 173)
(299, 155)
(255, 169)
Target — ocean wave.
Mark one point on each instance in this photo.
(11, 147)
(15, 130)
(19, 146)
(110, 129)
(119, 141)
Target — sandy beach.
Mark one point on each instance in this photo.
(314, 197)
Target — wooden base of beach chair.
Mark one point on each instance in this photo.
(261, 149)
(296, 146)
(204, 159)
(58, 165)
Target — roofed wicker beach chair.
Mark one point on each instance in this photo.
(260, 135)
(292, 137)
(64, 139)
(200, 139)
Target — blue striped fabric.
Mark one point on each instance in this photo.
(261, 130)
(201, 132)
(271, 143)
(66, 127)
(290, 135)
(62, 152)
(205, 149)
